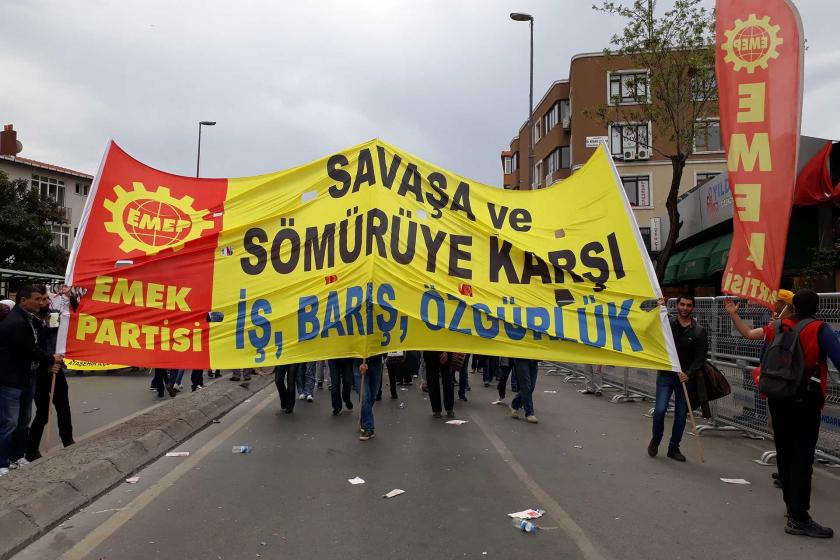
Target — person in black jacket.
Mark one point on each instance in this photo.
(20, 356)
(43, 383)
(690, 339)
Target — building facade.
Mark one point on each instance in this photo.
(66, 187)
(565, 136)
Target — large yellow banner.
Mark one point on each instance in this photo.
(368, 250)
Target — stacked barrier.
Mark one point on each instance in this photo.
(743, 410)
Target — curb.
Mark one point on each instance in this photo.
(58, 485)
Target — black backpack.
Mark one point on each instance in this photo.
(783, 371)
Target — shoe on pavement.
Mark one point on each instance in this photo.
(171, 390)
(532, 419)
(437, 414)
(309, 398)
(349, 405)
(366, 436)
(808, 528)
(450, 414)
(462, 398)
(653, 448)
(233, 377)
(486, 384)
(34, 456)
(4, 471)
(320, 385)
(676, 455)
(301, 397)
(336, 411)
(394, 396)
(514, 413)
(22, 463)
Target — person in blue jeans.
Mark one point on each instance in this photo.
(526, 379)
(691, 342)
(21, 354)
(306, 381)
(371, 379)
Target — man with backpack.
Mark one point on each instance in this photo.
(794, 377)
(690, 339)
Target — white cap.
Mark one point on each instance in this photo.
(8, 303)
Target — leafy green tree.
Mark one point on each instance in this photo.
(677, 49)
(26, 240)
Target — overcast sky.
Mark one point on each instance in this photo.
(289, 82)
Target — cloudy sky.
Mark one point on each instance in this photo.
(289, 82)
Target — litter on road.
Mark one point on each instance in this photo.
(241, 449)
(178, 454)
(356, 480)
(456, 422)
(527, 514)
(133, 480)
(578, 447)
(91, 410)
(735, 481)
(550, 392)
(394, 492)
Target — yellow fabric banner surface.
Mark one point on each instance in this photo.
(365, 251)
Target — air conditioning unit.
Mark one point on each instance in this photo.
(629, 154)
(643, 153)
(567, 123)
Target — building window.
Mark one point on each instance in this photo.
(49, 188)
(628, 88)
(550, 118)
(704, 177)
(61, 235)
(645, 231)
(638, 190)
(515, 161)
(558, 159)
(565, 111)
(507, 165)
(537, 177)
(707, 136)
(82, 189)
(704, 84)
(537, 131)
(629, 138)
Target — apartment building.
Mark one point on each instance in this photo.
(67, 187)
(565, 137)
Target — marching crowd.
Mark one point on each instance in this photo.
(792, 377)
(440, 373)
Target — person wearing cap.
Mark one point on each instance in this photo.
(784, 309)
(796, 420)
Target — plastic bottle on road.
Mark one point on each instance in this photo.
(242, 449)
(525, 525)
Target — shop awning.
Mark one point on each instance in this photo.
(720, 253)
(673, 267)
(695, 264)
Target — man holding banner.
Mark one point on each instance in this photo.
(691, 342)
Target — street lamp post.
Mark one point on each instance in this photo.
(517, 16)
(198, 158)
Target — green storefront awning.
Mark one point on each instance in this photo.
(695, 265)
(720, 253)
(673, 267)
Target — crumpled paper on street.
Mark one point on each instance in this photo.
(527, 514)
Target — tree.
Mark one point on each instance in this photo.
(26, 240)
(677, 49)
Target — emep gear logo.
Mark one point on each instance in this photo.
(151, 221)
(752, 43)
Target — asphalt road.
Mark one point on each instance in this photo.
(585, 464)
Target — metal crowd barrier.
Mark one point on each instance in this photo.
(743, 410)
